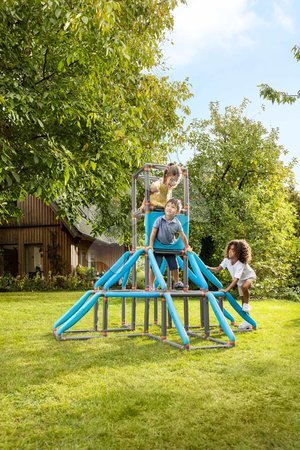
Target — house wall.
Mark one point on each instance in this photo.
(32, 241)
(99, 254)
(37, 228)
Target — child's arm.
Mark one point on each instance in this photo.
(232, 285)
(215, 269)
(185, 241)
(154, 187)
(152, 237)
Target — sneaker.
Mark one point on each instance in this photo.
(178, 285)
(245, 326)
(246, 307)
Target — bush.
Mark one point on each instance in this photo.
(5, 282)
(86, 273)
(53, 283)
(59, 282)
(288, 293)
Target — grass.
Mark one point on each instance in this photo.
(117, 393)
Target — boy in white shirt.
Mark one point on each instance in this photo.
(237, 256)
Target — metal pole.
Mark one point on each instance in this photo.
(186, 312)
(206, 316)
(133, 314)
(123, 311)
(96, 307)
(133, 219)
(163, 318)
(186, 195)
(146, 315)
(147, 191)
(185, 272)
(202, 319)
(155, 311)
(147, 271)
(169, 278)
(105, 316)
(220, 303)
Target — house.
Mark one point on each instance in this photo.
(41, 242)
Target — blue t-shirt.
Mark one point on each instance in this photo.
(167, 230)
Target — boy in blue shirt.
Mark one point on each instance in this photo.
(164, 229)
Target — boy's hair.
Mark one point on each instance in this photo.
(242, 249)
(176, 202)
(172, 170)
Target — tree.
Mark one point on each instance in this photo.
(245, 189)
(80, 106)
(278, 96)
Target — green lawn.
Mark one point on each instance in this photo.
(119, 393)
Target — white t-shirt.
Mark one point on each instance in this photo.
(238, 270)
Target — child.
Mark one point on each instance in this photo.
(161, 190)
(237, 256)
(164, 228)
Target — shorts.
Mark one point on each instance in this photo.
(171, 260)
(240, 285)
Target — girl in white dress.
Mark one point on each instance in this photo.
(237, 256)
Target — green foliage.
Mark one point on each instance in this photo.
(80, 109)
(53, 283)
(275, 96)
(86, 273)
(238, 175)
(295, 200)
(140, 279)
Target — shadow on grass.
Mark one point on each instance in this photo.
(46, 359)
(295, 323)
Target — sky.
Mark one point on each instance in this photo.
(228, 47)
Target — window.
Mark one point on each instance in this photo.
(33, 259)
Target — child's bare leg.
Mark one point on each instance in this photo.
(241, 294)
(245, 289)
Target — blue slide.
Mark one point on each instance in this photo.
(76, 307)
(85, 303)
(79, 314)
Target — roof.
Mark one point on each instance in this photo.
(83, 227)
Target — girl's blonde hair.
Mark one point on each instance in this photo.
(242, 249)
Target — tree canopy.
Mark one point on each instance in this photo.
(274, 95)
(241, 189)
(81, 106)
